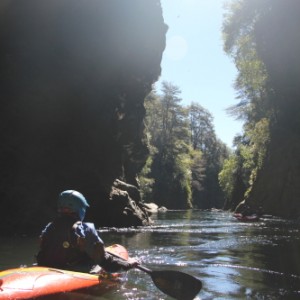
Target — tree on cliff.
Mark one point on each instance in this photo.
(262, 36)
(204, 139)
(186, 155)
(171, 162)
(254, 108)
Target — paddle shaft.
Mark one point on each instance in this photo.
(176, 284)
(144, 269)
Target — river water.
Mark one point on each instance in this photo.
(234, 260)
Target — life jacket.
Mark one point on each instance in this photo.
(61, 247)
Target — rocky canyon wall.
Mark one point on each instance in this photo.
(73, 78)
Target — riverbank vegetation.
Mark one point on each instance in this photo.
(187, 160)
(185, 154)
(262, 37)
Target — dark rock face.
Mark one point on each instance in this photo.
(276, 189)
(73, 77)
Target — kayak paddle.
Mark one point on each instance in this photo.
(176, 284)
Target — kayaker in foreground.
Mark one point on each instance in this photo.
(71, 244)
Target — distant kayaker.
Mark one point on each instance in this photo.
(71, 244)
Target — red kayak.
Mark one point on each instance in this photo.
(32, 282)
(245, 218)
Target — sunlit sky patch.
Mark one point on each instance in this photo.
(194, 60)
(177, 48)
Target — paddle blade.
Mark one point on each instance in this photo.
(177, 284)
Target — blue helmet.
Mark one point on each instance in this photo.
(71, 201)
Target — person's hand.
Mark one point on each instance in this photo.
(132, 263)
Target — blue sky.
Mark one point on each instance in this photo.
(194, 60)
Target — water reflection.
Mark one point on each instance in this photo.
(17, 251)
(234, 260)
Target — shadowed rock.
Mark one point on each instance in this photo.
(74, 75)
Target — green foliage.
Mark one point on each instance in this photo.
(202, 129)
(213, 151)
(146, 182)
(227, 176)
(198, 173)
(255, 96)
(153, 117)
(234, 177)
(184, 175)
(251, 82)
(185, 155)
(171, 163)
(242, 167)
